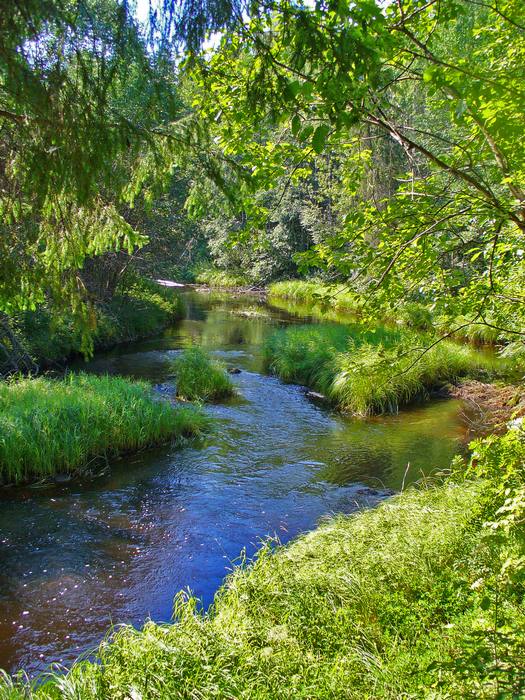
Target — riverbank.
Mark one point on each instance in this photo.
(387, 603)
(47, 338)
(329, 300)
(75, 424)
(369, 372)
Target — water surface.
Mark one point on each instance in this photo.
(78, 557)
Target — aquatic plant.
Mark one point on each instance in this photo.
(365, 371)
(199, 378)
(49, 426)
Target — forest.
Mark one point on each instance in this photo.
(262, 349)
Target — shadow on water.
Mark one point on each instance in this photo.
(78, 557)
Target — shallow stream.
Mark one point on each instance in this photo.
(76, 558)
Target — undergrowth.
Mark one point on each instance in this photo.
(200, 378)
(49, 426)
(139, 309)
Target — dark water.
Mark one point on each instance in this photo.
(76, 558)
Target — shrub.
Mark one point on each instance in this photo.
(201, 378)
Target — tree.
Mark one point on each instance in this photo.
(442, 80)
(80, 102)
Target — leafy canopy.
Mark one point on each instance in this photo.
(443, 80)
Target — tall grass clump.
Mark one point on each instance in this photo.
(367, 372)
(199, 378)
(54, 426)
(419, 597)
(373, 379)
(213, 277)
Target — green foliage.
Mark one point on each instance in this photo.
(415, 315)
(200, 378)
(80, 100)
(139, 309)
(391, 602)
(50, 426)
(368, 372)
(214, 277)
(297, 84)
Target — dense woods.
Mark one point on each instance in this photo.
(363, 159)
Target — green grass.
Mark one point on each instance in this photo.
(367, 372)
(330, 300)
(199, 378)
(53, 426)
(408, 600)
(315, 292)
(213, 277)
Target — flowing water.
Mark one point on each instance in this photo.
(78, 557)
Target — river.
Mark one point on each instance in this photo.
(81, 556)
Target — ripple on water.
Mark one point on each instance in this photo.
(76, 558)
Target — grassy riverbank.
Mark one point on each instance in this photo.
(56, 426)
(312, 292)
(328, 300)
(367, 372)
(416, 598)
(213, 277)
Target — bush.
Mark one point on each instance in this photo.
(201, 378)
(49, 426)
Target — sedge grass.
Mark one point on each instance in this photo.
(199, 378)
(367, 372)
(54, 426)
